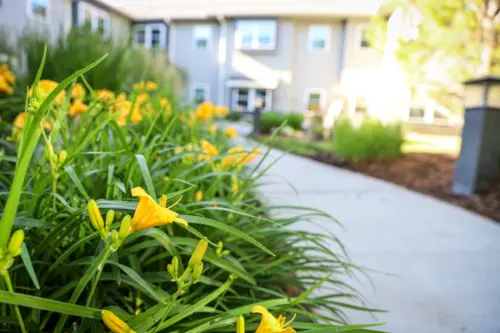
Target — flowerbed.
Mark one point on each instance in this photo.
(124, 212)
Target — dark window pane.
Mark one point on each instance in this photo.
(416, 112)
(100, 25)
(141, 36)
(318, 44)
(155, 38)
(365, 41)
(201, 43)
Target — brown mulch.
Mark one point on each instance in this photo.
(431, 174)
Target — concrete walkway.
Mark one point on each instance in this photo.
(444, 261)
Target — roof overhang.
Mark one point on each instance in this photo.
(203, 9)
(253, 84)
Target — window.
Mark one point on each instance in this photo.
(364, 40)
(202, 36)
(199, 93)
(319, 37)
(155, 38)
(255, 34)
(242, 98)
(95, 19)
(151, 35)
(361, 106)
(314, 99)
(39, 8)
(417, 112)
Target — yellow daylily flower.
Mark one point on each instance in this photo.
(123, 109)
(78, 91)
(5, 87)
(121, 97)
(77, 107)
(221, 111)
(209, 149)
(7, 74)
(150, 86)
(150, 214)
(205, 111)
(20, 120)
(270, 324)
(231, 132)
(115, 324)
(105, 95)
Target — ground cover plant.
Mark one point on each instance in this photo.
(123, 212)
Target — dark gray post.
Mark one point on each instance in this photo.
(256, 121)
(478, 164)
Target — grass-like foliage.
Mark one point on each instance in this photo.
(372, 140)
(127, 213)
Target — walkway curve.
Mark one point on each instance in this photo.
(444, 261)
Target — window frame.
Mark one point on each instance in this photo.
(206, 91)
(327, 46)
(254, 42)
(359, 36)
(322, 97)
(96, 13)
(32, 15)
(148, 34)
(195, 38)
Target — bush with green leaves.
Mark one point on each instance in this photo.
(272, 119)
(233, 116)
(371, 140)
(97, 198)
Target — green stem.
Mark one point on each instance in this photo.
(16, 308)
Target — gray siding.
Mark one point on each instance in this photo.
(120, 26)
(315, 70)
(200, 64)
(14, 15)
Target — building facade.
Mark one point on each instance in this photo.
(247, 55)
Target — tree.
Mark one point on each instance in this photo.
(456, 40)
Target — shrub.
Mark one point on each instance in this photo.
(372, 140)
(234, 116)
(294, 120)
(84, 258)
(270, 120)
(273, 119)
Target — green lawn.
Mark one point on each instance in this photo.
(414, 143)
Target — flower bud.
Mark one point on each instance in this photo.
(95, 215)
(62, 156)
(115, 324)
(54, 158)
(16, 240)
(198, 269)
(240, 325)
(38, 94)
(198, 196)
(110, 216)
(125, 229)
(115, 238)
(35, 104)
(198, 253)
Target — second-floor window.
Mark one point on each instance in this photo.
(151, 35)
(94, 18)
(39, 8)
(255, 34)
(364, 37)
(202, 36)
(319, 38)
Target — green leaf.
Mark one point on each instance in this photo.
(71, 173)
(198, 305)
(89, 274)
(49, 305)
(224, 227)
(25, 256)
(143, 165)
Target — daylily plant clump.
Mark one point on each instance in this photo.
(127, 212)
